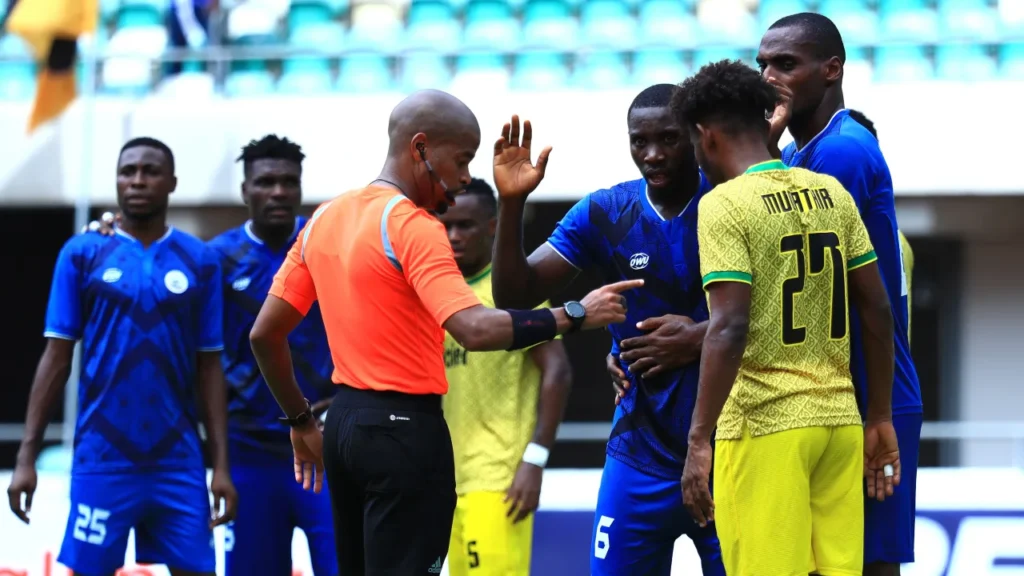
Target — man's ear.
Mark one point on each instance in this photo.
(418, 142)
(244, 193)
(174, 184)
(707, 137)
(833, 70)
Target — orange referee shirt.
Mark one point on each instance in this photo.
(386, 279)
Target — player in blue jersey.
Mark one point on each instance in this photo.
(644, 228)
(146, 305)
(259, 541)
(803, 54)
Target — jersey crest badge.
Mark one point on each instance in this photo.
(639, 261)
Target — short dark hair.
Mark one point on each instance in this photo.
(819, 31)
(657, 96)
(729, 92)
(270, 147)
(484, 192)
(147, 142)
(863, 121)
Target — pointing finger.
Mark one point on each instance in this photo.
(625, 285)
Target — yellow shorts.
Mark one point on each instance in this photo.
(485, 542)
(792, 502)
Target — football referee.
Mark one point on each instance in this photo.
(380, 265)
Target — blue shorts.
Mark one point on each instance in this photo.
(638, 519)
(271, 506)
(170, 512)
(889, 525)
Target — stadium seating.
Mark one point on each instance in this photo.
(330, 46)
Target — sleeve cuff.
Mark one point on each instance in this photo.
(564, 257)
(731, 276)
(219, 348)
(861, 260)
(59, 335)
(455, 307)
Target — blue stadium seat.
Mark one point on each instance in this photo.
(431, 26)
(305, 75)
(138, 16)
(659, 66)
(1011, 61)
(607, 24)
(770, 11)
(423, 70)
(306, 12)
(972, 20)
(909, 20)
(856, 21)
(548, 24)
(902, 63)
(540, 71)
(326, 37)
(666, 23)
(964, 62)
(479, 62)
(365, 73)
(17, 78)
(249, 83)
(489, 23)
(601, 70)
(709, 55)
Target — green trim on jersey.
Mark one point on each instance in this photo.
(727, 277)
(479, 275)
(861, 260)
(766, 166)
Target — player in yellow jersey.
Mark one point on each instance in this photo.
(503, 409)
(780, 248)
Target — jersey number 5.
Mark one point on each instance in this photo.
(819, 244)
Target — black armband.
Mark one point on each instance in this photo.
(531, 327)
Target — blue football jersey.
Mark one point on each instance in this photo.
(249, 267)
(620, 234)
(846, 151)
(142, 314)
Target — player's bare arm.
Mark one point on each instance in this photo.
(521, 282)
(880, 448)
(269, 341)
(215, 415)
(556, 382)
(722, 354)
(47, 388)
(480, 328)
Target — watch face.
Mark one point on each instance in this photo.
(575, 310)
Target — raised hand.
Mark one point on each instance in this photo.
(783, 112)
(514, 175)
(607, 305)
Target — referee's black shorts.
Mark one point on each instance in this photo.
(391, 475)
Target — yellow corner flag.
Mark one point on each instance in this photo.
(51, 28)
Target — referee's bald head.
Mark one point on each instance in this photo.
(443, 118)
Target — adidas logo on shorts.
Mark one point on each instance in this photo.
(436, 567)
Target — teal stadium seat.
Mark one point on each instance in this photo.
(17, 78)
(423, 70)
(431, 26)
(108, 10)
(1011, 20)
(607, 24)
(248, 78)
(770, 11)
(479, 62)
(964, 62)
(909, 21)
(709, 55)
(659, 66)
(137, 16)
(601, 70)
(489, 23)
(311, 73)
(1011, 61)
(858, 67)
(365, 73)
(902, 63)
(375, 28)
(158, 6)
(326, 37)
(666, 23)
(856, 21)
(972, 20)
(727, 23)
(538, 71)
(308, 12)
(548, 24)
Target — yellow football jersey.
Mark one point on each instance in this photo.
(491, 407)
(908, 276)
(792, 235)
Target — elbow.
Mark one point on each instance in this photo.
(260, 339)
(475, 337)
(730, 333)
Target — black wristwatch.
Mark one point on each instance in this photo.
(302, 419)
(576, 313)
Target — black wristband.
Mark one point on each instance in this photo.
(531, 327)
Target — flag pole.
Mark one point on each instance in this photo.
(82, 205)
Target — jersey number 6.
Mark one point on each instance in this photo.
(819, 244)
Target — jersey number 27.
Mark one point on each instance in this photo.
(820, 245)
